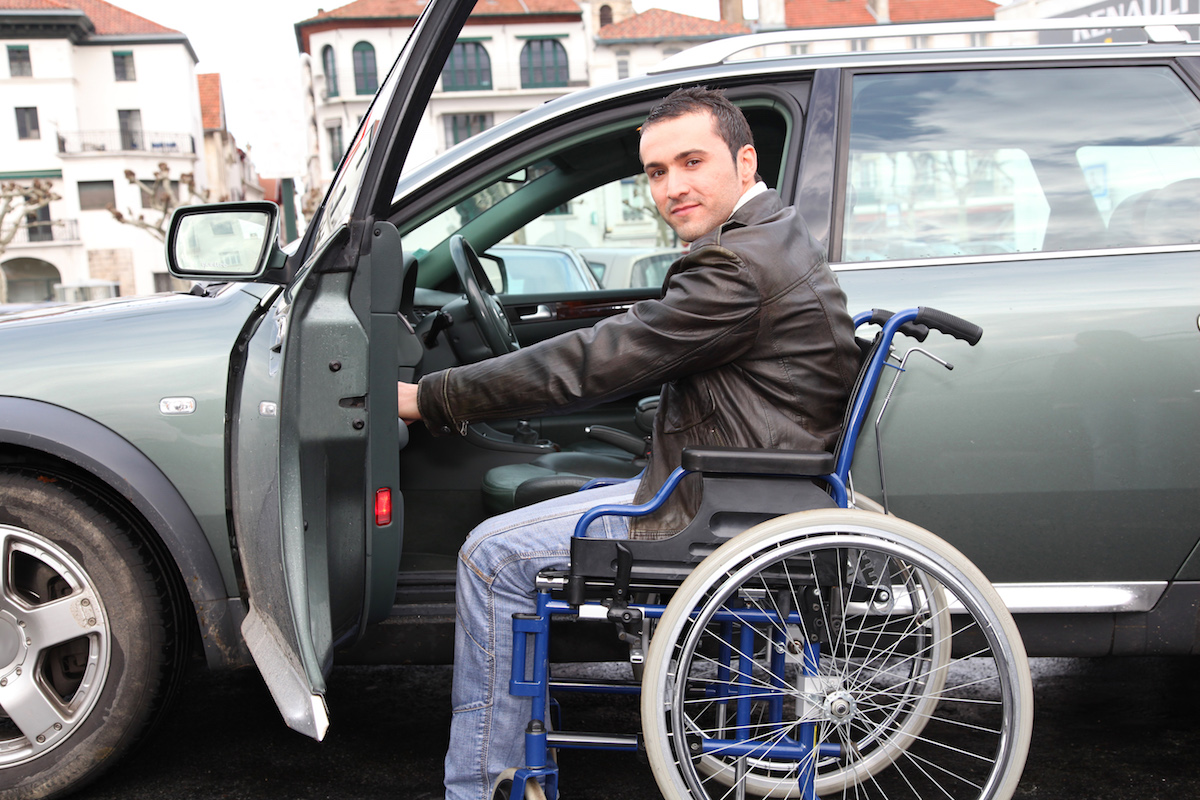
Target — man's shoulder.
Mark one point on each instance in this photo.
(765, 232)
(761, 208)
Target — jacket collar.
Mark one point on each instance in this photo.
(753, 211)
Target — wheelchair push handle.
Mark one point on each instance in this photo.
(878, 316)
(949, 324)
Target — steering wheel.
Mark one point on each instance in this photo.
(490, 318)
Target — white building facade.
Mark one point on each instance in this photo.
(91, 94)
(511, 56)
(1100, 11)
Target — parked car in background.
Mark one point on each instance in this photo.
(223, 473)
(528, 269)
(631, 267)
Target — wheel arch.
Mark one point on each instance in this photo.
(47, 436)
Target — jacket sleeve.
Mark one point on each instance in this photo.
(707, 317)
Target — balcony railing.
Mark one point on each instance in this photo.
(154, 143)
(59, 230)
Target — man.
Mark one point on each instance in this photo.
(751, 344)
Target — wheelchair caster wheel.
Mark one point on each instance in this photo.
(503, 787)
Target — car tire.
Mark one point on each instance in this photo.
(88, 656)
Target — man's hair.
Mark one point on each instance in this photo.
(731, 123)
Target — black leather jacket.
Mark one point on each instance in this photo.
(751, 343)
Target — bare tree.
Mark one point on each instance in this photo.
(163, 199)
(19, 204)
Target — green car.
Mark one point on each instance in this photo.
(222, 472)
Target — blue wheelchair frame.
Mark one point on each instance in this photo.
(531, 666)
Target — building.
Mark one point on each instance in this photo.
(231, 174)
(838, 13)
(832, 14)
(93, 93)
(633, 45)
(1099, 10)
(512, 55)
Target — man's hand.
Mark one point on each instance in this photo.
(406, 396)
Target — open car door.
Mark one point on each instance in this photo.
(314, 468)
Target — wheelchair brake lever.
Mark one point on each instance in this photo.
(621, 585)
(924, 352)
(901, 368)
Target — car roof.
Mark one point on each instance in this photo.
(1156, 29)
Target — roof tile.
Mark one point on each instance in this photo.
(657, 24)
(410, 9)
(212, 107)
(52, 5)
(108, 20)
(836, 13)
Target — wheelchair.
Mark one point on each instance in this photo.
(795, 640)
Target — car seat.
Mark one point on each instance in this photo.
(607, 453)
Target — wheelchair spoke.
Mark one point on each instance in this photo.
(825, 661)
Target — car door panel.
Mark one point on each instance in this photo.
(1060, 448)
(317, 435)
(278, 628)
(1050, 447)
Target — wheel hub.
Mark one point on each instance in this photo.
(14, 643)
(840, 706)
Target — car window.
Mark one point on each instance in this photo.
(611, 227)
(1020, 160)
(590, 200)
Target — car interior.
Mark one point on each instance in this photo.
(452, 483)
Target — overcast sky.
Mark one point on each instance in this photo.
(252, 43)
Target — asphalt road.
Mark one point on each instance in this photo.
(1107, 728)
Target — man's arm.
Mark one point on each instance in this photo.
(705, 319)
(406, 396)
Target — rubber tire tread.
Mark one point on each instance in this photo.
(145, 663)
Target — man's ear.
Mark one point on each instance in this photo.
(747, 164)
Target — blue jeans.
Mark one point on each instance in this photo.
(496, 570)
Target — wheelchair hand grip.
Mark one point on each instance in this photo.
(949, 324)
(913, 329)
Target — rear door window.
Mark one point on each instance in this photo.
(978, 162)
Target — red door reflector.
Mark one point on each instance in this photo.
(383, 507)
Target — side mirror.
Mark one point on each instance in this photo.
(496, 272)
(225, 241)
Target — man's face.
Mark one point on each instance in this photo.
(694, 180)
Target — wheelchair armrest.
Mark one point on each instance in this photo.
(750, 461)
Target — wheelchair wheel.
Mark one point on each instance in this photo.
(503, 786)
(841, 653)
(916, 677)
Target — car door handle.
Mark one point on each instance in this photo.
(540, 314)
